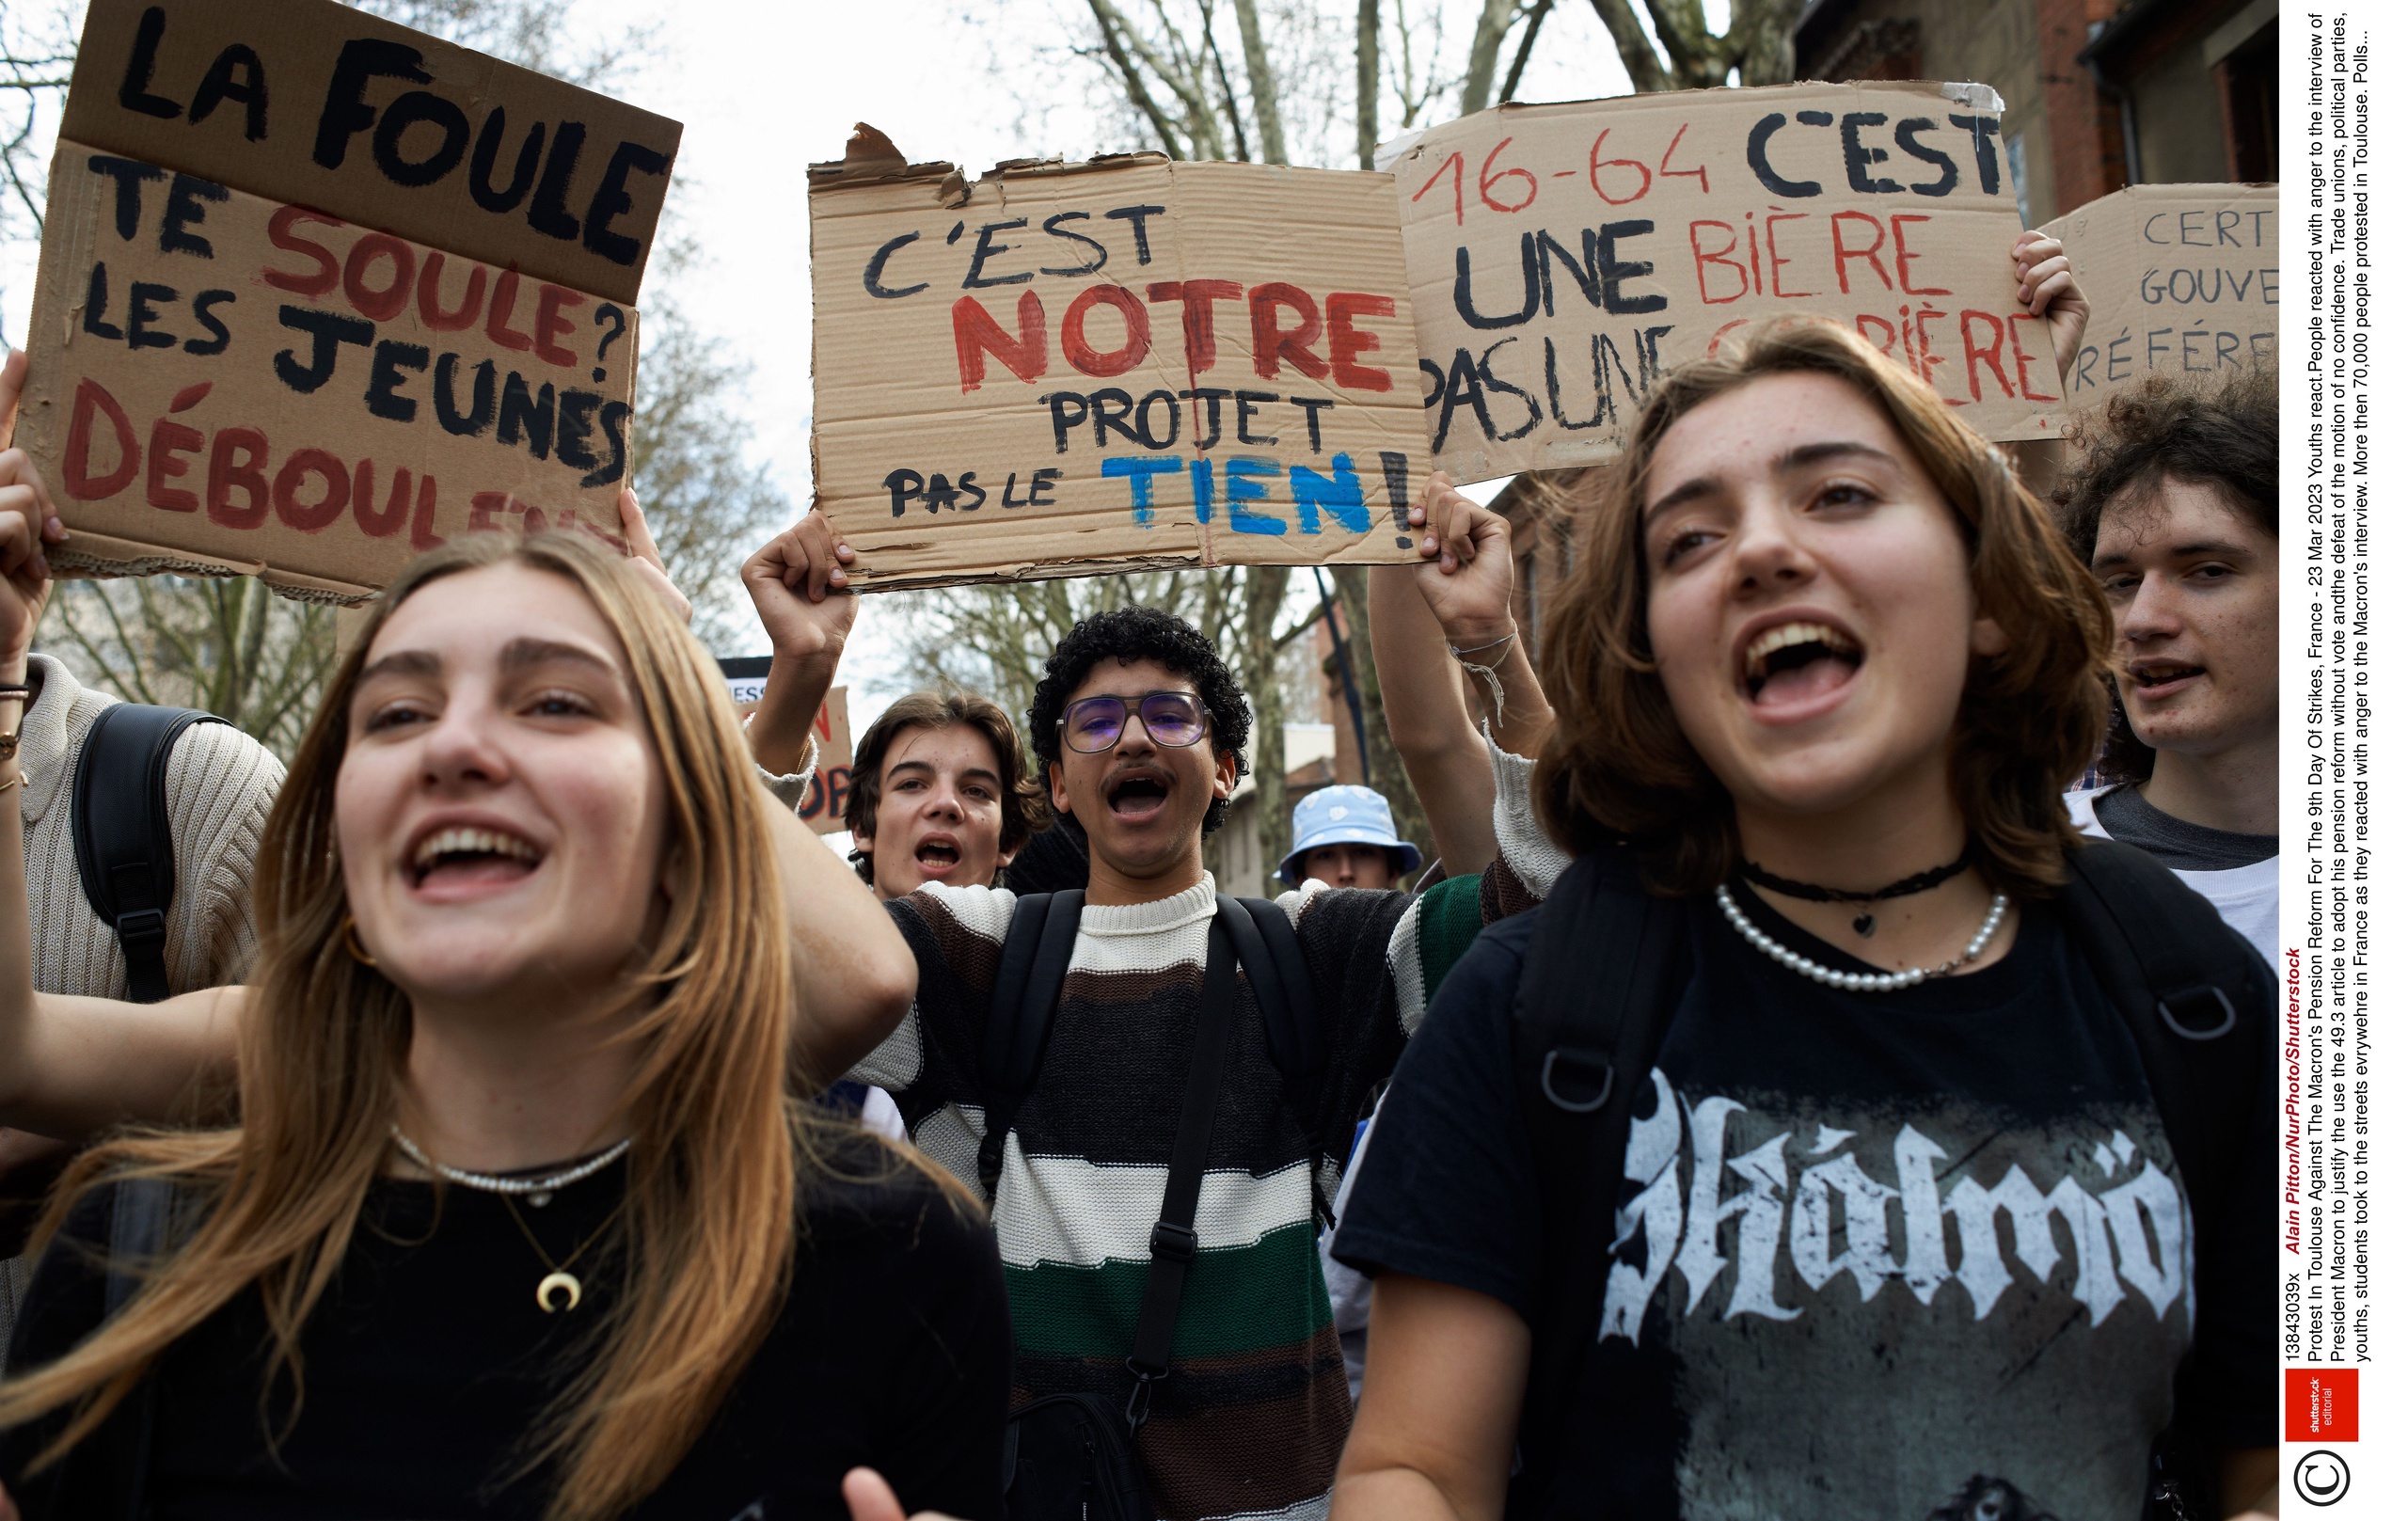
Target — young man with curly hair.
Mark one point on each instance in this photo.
(1140, 731)
(2172, 506)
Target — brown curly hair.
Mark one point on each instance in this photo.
(1024, 809)
(1618, 770)
(2226, 436)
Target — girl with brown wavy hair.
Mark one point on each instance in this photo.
(519, 1217)
(1821, 673)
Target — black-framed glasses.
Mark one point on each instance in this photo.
(1094, 725)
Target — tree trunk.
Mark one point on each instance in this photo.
(1383, 767)
(1487, 38)
(1367, 82)
(1266, 593)
(1260, 85)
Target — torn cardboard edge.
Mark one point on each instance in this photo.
(102, 557)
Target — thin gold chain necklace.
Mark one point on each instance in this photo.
(560, 1278)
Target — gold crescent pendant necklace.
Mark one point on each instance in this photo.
(538, 1192)
(559, 1280)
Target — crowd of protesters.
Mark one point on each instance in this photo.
(536, 1119)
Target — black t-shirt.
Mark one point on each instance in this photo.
(1881, 1256)
(427, 1361)
(2129, 817)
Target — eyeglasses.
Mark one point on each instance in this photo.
(1095, 724)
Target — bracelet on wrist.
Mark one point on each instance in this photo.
(1459, 651)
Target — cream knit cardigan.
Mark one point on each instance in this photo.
(220, 785)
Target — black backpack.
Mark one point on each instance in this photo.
(1072, 1455)
(1606, 964)
(125, 847)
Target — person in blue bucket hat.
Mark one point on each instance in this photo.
(1346, 837)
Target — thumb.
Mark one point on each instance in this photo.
(870, 1497)
(12, 384)
(637, 532)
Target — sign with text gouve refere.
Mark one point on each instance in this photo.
(1564, 257)
(318, 293)
(1070, 368)
(2183, 280)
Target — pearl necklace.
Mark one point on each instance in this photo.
(1858, 982)
(536, 1191)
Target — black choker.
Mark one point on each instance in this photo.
(1922, 882)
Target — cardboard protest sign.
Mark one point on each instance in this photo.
(1564, 257)
(1070, 368)
(230, 376)
(823, 802)
(316, 104)
(2183, 280)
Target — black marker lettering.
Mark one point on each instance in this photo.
(530, 152)
(347, 113)
(184, 209)
(1053, 228)
(328, 331)
(129, 174)
(611, 199)
(411, 109)
(547, 212)
(202, 313)
(987, 249)
(141, 310)
(217, 87)
(447, 401)
(384, 379)
(1135, 216)
(133, 93)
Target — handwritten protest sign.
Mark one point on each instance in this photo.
(1067, 368)
(1562, 257)
(247, 359)
(2183, 280)
(823, 801)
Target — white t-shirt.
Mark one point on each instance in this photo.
(2249, 897)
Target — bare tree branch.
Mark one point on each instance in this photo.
(1537, 18)
(1638, 57)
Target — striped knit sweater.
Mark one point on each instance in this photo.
(1252, 1419)
(220, 785)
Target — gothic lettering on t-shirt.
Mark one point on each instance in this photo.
(1836, 1219)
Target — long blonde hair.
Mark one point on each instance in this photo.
(1618, 766)
(707, 1232)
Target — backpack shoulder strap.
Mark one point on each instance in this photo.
(2191, 992)
(1283, 985)
(125, 848)
(1028, 982)
(1173, 1245)
(1590, 1014)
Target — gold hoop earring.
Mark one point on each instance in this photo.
(351, 942)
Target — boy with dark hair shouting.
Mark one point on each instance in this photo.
(1141, 730)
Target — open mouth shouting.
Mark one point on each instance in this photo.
(936, 855)
(467, 860)
(1138, 794)
(1797, 663)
